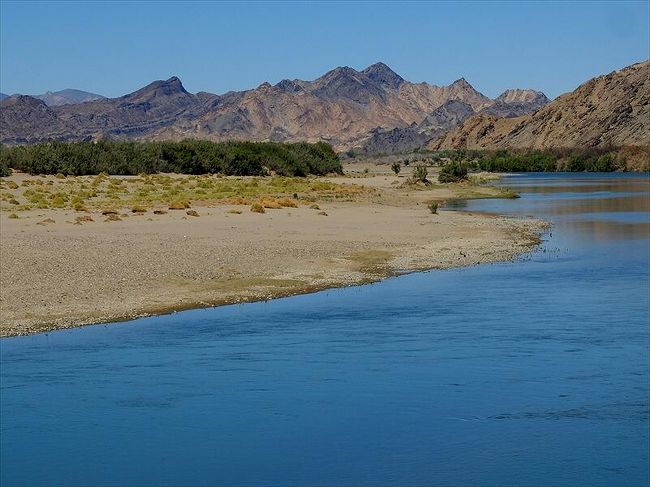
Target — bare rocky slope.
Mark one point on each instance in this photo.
(610, 110)
(374, 110)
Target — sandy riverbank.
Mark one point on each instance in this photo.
(58, 274)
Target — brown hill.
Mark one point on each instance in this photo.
(610, 110)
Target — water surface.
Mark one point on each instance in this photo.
(527, 373)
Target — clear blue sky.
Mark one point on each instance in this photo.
(113, 48)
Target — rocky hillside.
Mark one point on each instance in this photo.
(374, 110)
(608, 110)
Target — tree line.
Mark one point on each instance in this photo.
(185, 157)
(590, 160)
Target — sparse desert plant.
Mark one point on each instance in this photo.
(433, 207)
(159, 212)
(84, 219)
(314, 207)
(420, 173)
(192, 213)
(396, 167)
(13, 216)
(138, 209)
(322, 213)
(235, 212)
(257, 208)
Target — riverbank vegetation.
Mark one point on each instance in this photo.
(185, 157)
(104, 192)
(605, 159)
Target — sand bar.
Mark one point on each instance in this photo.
(57, 274)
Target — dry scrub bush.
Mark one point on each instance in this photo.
(287, 203)
(179, 205)
(257, 208)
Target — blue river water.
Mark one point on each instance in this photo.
(534, 372)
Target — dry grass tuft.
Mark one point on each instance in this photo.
(257, 208)
(192, 213)
(84, 219)
(179, 205)
(271, 204)
(287, 203)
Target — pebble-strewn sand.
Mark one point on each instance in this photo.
(60, 275)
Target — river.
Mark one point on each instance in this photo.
(534, 372)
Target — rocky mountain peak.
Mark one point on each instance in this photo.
(381, 73)
(522, 95)
(346, 82)
(462, 83)
(288, 86)
(158, 89)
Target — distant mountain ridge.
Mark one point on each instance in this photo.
(345, 107)
(67, 97)
(64, 97)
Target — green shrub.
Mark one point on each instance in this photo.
(453, 172)
(396, 167)
(420, 173)
(4, 169)
(433, 207)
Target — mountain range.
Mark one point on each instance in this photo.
(371, 111)
(345, 107)
(64, 97)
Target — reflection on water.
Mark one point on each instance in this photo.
(600, 207)
(526, 373)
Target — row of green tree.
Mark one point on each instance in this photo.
(185, 157)
(534, 161)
